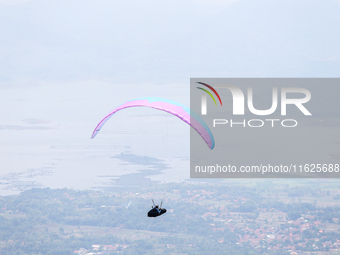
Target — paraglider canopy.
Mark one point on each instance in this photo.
(172, 107)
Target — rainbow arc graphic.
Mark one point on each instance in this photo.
(209, 93)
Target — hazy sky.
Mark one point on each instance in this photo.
(159, 41)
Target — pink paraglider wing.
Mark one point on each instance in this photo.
(174, 108)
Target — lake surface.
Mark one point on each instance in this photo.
(45, 132)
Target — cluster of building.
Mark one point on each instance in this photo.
(271, 234)
(101, 249)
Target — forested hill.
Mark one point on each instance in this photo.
(216, 219)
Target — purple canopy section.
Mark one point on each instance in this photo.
(174, 108)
